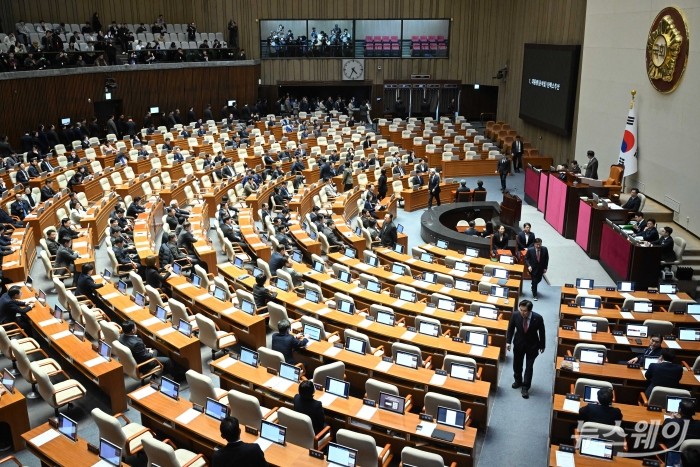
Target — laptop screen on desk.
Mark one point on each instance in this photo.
(346, 307)
(506, 259)
(350, 252)
(196, 280)
(429, 277)
(185, 327)
(586, 284)
(311, 295)
(8, 380)
(341, 456)
(219, 294)
(461, 284)
(500, 273)
(356, 345)
(372, 261)
(461, 266)
(451, 417)
(391, 402)
(385, 317)
(105, 350)
(373, 286)
(169, 387)
(649, 361)
(273, 432)
(282, 284)
(319, 267)
(110, 453)
(121, 287)
(249, 357)
(642, 307)
(399, 228)
(472, 252)
(694, 308)
(625, 286)
(296, 256)
(426, 257)
(78, 330)
(488, 312)
(312, 332)
(673, 403)
(463, 371)
(668, 288)
(445, 304)
(592, 356)
(399, 248)
(441, 244)
(248, 307)
(590, 303)
(215, 409)
(67, 427)
(590, 393)
(636, 330)
(407, 295)
(583, 325)
(397, 269)
(177, 269)
(595, 447)
(477, 338)
(429, 329)
(161, 313)
(406, 359)
(337, 387)
(140, 299)
(290, 372)
(344, 276)
(689, 334)
(497, 291)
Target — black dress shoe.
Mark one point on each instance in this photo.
(524, 392)
(516, 385)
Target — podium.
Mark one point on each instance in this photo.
(563, 197)
(591, 218)
(627, 260)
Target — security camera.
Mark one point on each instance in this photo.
(502, 73)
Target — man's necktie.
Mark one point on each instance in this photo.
(525, 325)
(538, 255)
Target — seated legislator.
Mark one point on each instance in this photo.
(634, 202)
(262, 294)
(650, 234)
(417, 181)
(46, 191)
(463, 188)
(284, 342)
(186, 240)
(665, 241)
(664, 372)
(236, 452)
(499, 240)
(140, 352)
(86, 284)
(654, 350)
(602, 412)
(638, 222)
(472, 230)
(14, 310)
(305, 403)
(681, 426)
(51, 242)
(20, 207)
(66, 256)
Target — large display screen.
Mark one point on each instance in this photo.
(549, 85)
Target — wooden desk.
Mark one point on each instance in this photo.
(585, 461)
(169, 342)
(475, 263)
(468, 168)
(59, 450)
(108, 376)
(418, 199)
(200, 229)
(249, 330)
(254, 381)
(44, 215)
(627, 260)
(17, 265)
(616, 316)
(613, 296)
(202, 434)
(97, 219)
(589, 228)
(13, 411)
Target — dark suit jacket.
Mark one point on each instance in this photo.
(666, 244)
(600, 414)
(9, 309)
(239, 453)
(312, 408)
(388, 235)
(693, 431)
(531, 340)
(416, 180)
(663, 374)
(503, 166)
(633, 204)
(650, 235)
(65, 257)
(286, 344)
(522, 243)
(46, 193)
(87, 286)
(517, 148)
(538, 267)
(592, 168)
(16, 208)
(33, 172)
(22, 177)
(434, 183)
(137, 347)
(382, 185)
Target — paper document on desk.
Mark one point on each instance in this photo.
(622, 340)
(626, 315)
(393, 277)
(672, 344)
(437, 380)
(429, 310)
(166, 331)
(227, 363)
(589, 311)
(363, 266)
(263, 443)
(79, 244)
(582, 291)
(143, 392)
(150, 321)
(477, 350)
(302, 302)
(627, 295)
(571, 406)
(48, 322)
(697, 317)
(45, 437)
(383, 366)
(204, 296)
(187, 416)
(673, 296)
(399, 303)
(228, 310)
(131, 309)
(327, 399)
(61, 335)
(492, 299)
(366, 412)
(365, 323)
(425, 428)
(11, 263)
(278, 384)
(355, 290)
(585, 336)
(184, 285)
(408, 335)
(456, 273)
(332, 351)
(565, 459)
(445, 289)
(94, 361)
(110, 296)
(323, 311)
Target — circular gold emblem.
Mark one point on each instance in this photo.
(667, 49)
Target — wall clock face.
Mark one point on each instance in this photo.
(353, 69)
(667, 49)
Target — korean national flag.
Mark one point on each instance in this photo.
(629, 149)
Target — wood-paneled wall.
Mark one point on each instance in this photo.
(485, 35)
(28, 102)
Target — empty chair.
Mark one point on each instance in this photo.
(270, 358)
(202, 387)
(165, 454)
(181, 312)
(277, 314)
(49, 365)
(212, 337)
(300, 430)
(334, 370)
(11, 332)
(680, 304)
(424, 321)
(368, 453)
(463, 330)
(377, 351)
(658, 327)
(433, 400)
(628, 304)
(110, 331)
(128, 436)
(59, 394)
(140, 371)
(413, 456)
(373, 387)
(155, 299)
(411, 349)
(247, 409)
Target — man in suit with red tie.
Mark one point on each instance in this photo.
(526, 333)
(517, 151)
(537, 261)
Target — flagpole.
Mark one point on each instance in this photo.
(633, 92)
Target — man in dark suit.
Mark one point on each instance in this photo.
(517, 151)
(664, 372)
(665, 241)
(638, 222)
(11, 307)
(462, 188)
(236, 452)
(634, 202)
(682, 425)
(421, 167)
(388, 234)
(654, 350)
(649, 233)
(602, 412)
(86, 284)
(592, 167)
(20, 207)
(503, 169)
(284, 342)
(472, 230)
(525, 238)
(46, 166)
(66, 256)
(51, 242)
(433, 188)
(526, 332)
(139, 351)
(33, 169)
(46, 191)
(305, 403)
(537, 261)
